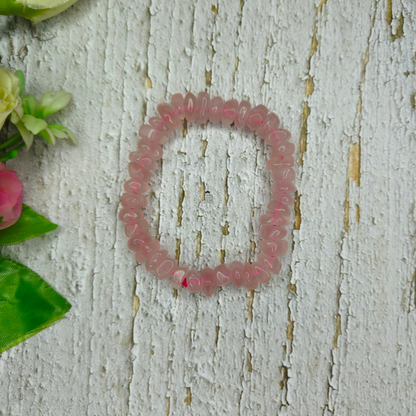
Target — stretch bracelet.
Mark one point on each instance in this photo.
(143, 162)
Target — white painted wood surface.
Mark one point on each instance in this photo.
(335, 332)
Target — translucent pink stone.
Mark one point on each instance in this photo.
(137, 240)
(283, 174)
(270, 263)
(283, 197)
(152, 134)
(169, 118)
(282, 149)
(215, 109)
(165, 269)
(133, 201)
(272, 218)
(277, 136)
(274, 248)
(279, 208)
(146, 251)
(194, 281)
(157, 123)
(250, 279)
(272, 232)
(242, 114)
(136, 228)
(210, 284)
(229, 111)
(223, 274)
(283, 186)
(261, 272)
(270, 123)
(178, 276)
(155, 260)
(280, 162)
(152, 149)
(189, 107)
(138, 170)
(177, 105)
(202, 107)
(148, 162)
(237, 270)
(136, 186)
(129, 215)
(256, 116)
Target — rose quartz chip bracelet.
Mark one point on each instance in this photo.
(143, 162)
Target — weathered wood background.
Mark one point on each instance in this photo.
(335, 332)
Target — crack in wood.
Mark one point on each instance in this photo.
(188, 399)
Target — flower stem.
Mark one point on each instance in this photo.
(11, 154)
(14, 139)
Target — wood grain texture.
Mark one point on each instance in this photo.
(334, 332)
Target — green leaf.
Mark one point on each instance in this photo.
(31, 105)
(27, 304)
(50, 105)
(29, 225)
(48, 136)
(62, 132)
(33, 124)
(22, 80)
(26, 134)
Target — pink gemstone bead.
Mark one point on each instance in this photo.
(256, 116)
(189, 107)
(237, 270)
(277, 136)
(274, 248)
(215, 109)
(164, 271)
(178, 276)
(136, 186)
(156, 259)
(270, 263)
(272, 232)
(177, 106)
(194, 281)
(152, 149)
(138, 170)
(133, 201)
(129, 215)
(280, 162)
(271, 122)
(152, 134)
(202, 107)
(283, 197)
(283, 174)
(137, 227)
(143, 159)
(157, 123)
(137, 240)
(229, 111)
(146, 250)
(261, 272)
(242, 114)
(210, 284)
(283, 186)
(168, 116)
(223, 274)
(250, 279)
(272, 218)
(282, 149)
(279, 208)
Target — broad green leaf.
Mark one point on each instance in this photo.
(50, 105)
(27, 304)
(22, 80)
(30, 224)
(33, 124)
